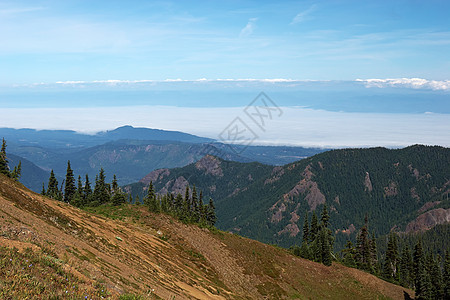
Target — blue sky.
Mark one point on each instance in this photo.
(49, 41)
(346, 73)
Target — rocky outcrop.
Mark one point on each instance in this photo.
(292, 229)
(277, 172)
(428, 220)
(391, 190)
(211, 165)
(414, 194)
(428, 205)
(347, 231)
(155, 176)
(367, 183)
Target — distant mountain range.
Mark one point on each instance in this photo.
(128, 152)
(403, 190)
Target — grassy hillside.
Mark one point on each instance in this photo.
(61, 250)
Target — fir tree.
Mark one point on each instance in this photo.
(211, 213)
(101, 189)
(446, 276)
(390, 263)
(118, 197)
(150, 200)
(305, 229)
(349, 255)
(69, 190)
(406, 268)
(87, 194)
(52, 187)
(314, 227)
(16, 173)
(363, 249)
(4, 169)
(43, 192)
(194, 208)
(78, 197)
(422, 282)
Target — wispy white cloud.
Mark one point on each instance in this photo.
(248, 29)
(304, 15)
(412, 83)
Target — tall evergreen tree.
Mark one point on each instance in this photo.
(16, 173)
(390, 263)
(52, 187)
(363, 247)
(211, 213)
(306, 229)
(87, 194)
(406, 268)
(150, 200)
(118, 197)
(4, 169)
(446, 276)
(314, 227)
(194, 208)
(422, 282)
(349, 255)
(101, 189)
(69, 190)
(43, 192)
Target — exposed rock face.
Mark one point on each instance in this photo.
(428, 220)
(367, 183)
(414, 195)
(428, 205)
(179, 186)
(277, 172)
(278, 214)
(210, 164)
(292, 229)
(155, 176)
(336, 199)
(391, 190)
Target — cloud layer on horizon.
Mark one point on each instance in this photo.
(296, 126)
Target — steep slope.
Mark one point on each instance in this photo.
(32, 176)
(73, 252)
(394, 187)
(217, 178)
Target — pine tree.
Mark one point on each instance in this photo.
(325, 217)
(16, 173)
(211, 213)
(43, 192)
(78, 200)
(325, 238)
(421, 277)
(314, 227)
(390, 263)
(69, 190)
(373, 255)
(101, 189)
(305, 229)
(137, 201)
(52, 187)
(194, 207)
(349, 255)
(446, 276)
(4, 169)
(118, 197)
(87, 194)
(363, 248)
(434, 273)
(406, 266)
(150, 200)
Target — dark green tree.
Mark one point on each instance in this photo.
(16, 173)
(87, 194)
(349, 255)
(4, 169)
(305, 229)
(391, 260)
(52, 187)
(422, 281)
(446, 276)
(363, 249)
(314, 227)
(151, 201)
(118, 197)
(43, 192)
(78, 200)
(194, 207)
(211, 213)
(101, 189)
(406, 268)
(69, 189)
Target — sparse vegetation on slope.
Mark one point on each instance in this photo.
(153, 255)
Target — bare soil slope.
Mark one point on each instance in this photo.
(158, 257)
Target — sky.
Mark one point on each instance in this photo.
(333, 63)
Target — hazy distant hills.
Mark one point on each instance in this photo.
(405, 189)
(129, 152)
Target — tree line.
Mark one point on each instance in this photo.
(4, 168)
(427, 273)
(189, 208)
